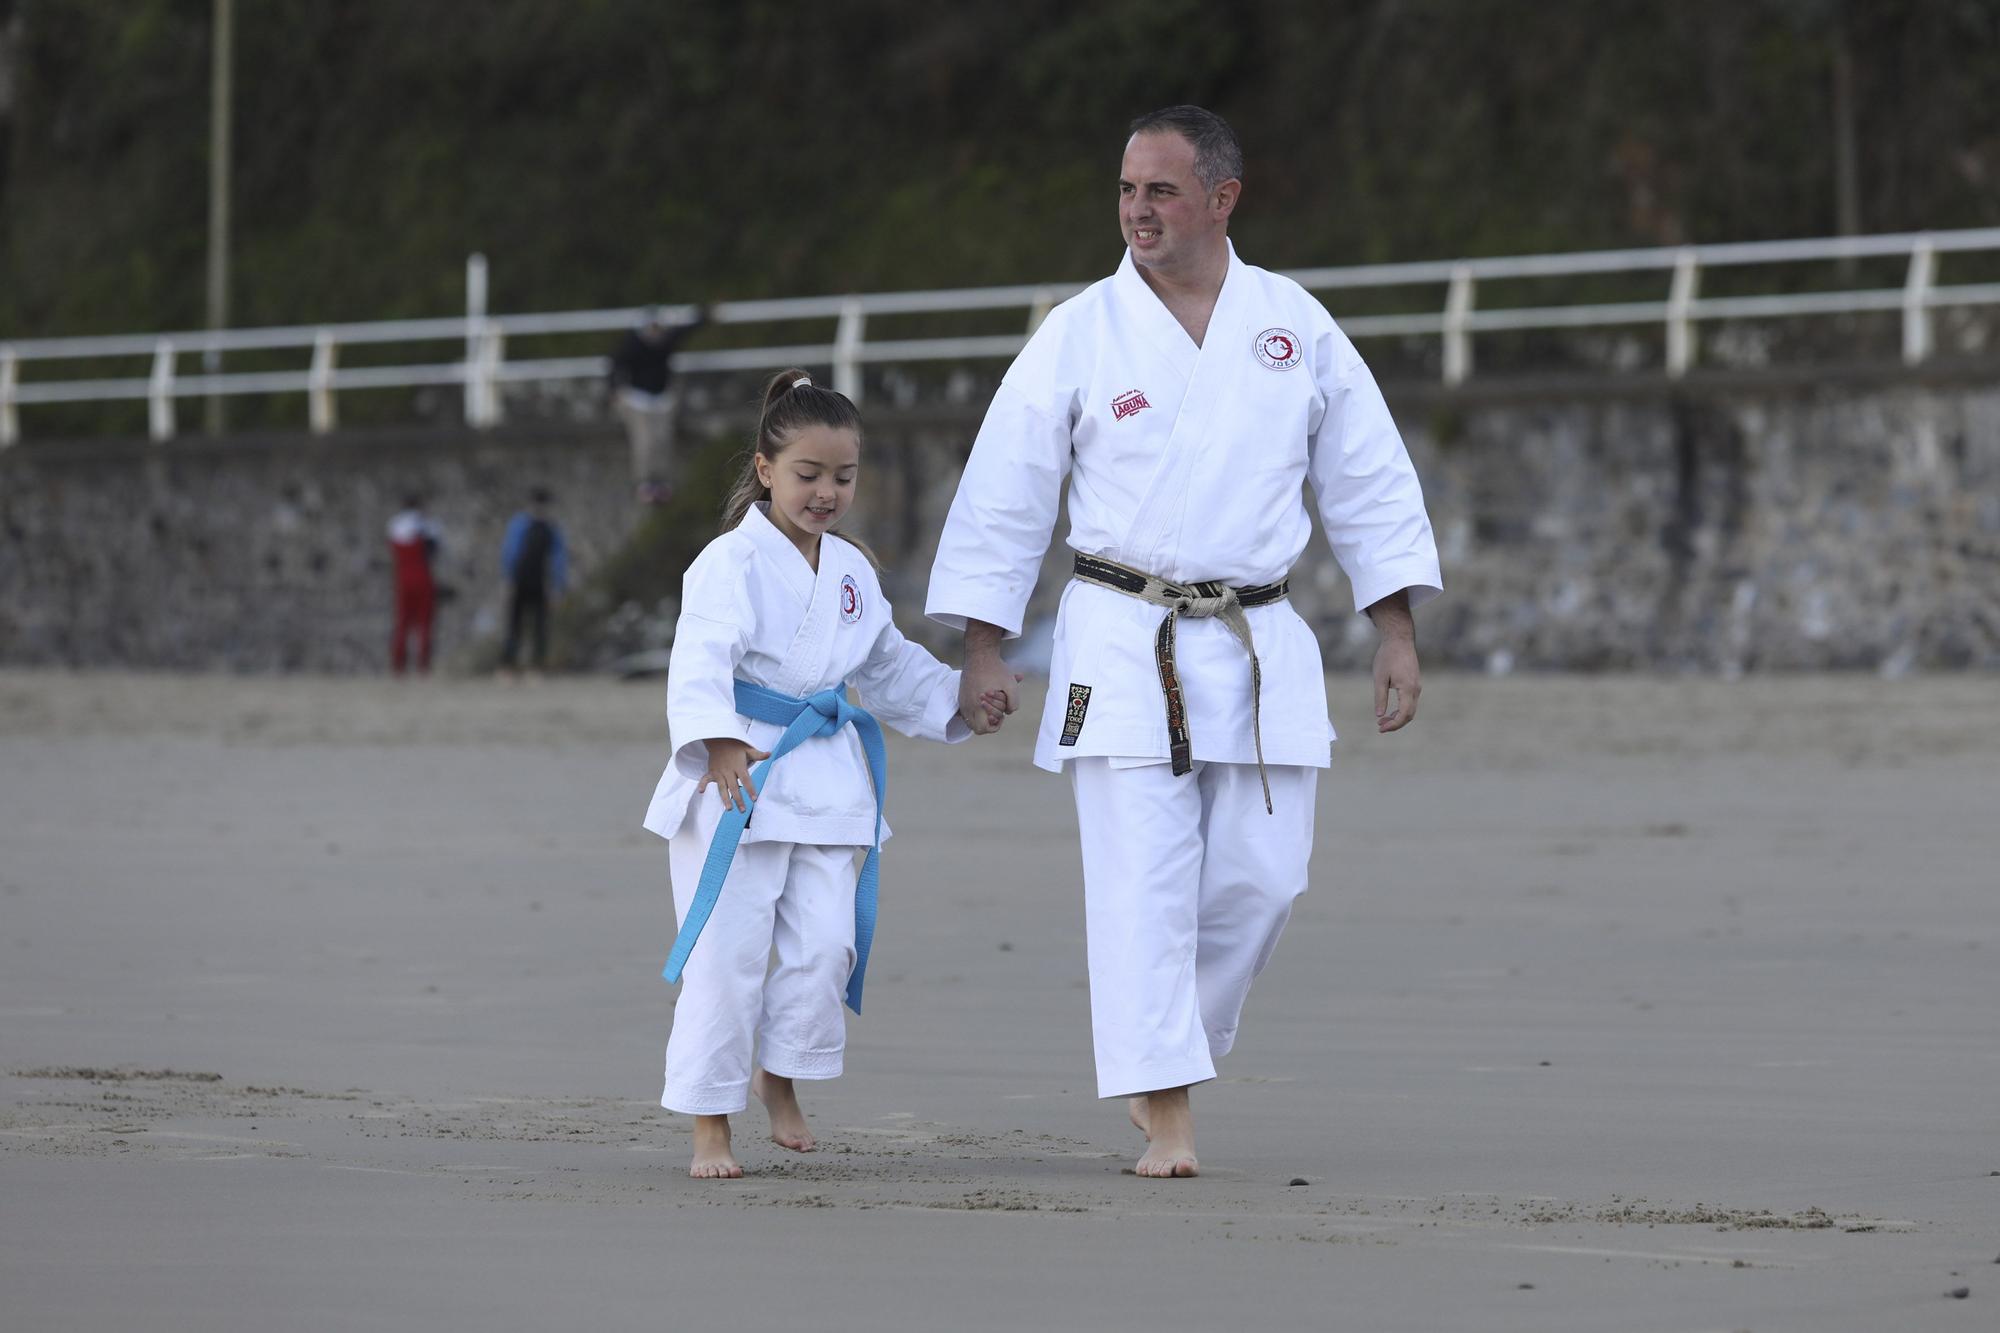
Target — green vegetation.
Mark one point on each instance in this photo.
(609, 151)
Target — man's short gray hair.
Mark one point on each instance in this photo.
(1217, 155)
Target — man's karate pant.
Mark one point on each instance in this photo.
(796, 899)
(1187, 884)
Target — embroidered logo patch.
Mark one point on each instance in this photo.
(1279, 348)
(1079, 704)
(850, 599)
(1125, 404)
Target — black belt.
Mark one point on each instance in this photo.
(1200, 601)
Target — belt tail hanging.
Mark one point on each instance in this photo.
(714, 870)
(1180, 746)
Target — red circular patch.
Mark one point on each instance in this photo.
(1279, 348)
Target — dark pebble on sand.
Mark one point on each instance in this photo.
(1960, 1293)
(1300, 1180)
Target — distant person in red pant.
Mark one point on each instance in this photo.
(413, 544)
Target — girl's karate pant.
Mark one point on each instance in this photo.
(1187, 884)
(796, 899)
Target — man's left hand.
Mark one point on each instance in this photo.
(1395, 662)
(1396, 669)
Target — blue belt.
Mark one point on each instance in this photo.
(821, 714)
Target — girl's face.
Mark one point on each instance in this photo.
(811, 482)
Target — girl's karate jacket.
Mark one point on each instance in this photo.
(751, 607)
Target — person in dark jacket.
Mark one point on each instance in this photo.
(535, 561)
(642, 377)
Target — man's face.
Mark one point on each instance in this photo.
(1167, 217)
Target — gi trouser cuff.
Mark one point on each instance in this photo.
(792, 1062)
(1138, 1080)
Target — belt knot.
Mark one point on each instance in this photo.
(1201, 603)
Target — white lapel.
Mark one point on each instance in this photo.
(806, 657)
(1145, 313)
(1151, 538)
(777, 551)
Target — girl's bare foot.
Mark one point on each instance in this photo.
(788, 1122)
(1170, 1127)
(712, 1158)
(1141, 1116)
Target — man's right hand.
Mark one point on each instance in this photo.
(987, 688)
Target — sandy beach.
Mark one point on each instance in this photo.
(1617, 1004)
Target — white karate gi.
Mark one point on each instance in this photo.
(1188, 463)
(751, 607)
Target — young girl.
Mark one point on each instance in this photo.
(778, 614)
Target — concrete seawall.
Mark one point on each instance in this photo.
(1726, 525)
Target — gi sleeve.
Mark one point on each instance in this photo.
(1000, 521)
(718, 618)
(904, 686)
(1369, 500)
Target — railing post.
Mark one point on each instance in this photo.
(10, 379)
(1916, 302)
(1458, 326)
(475, 322)
(319, 384)
(1680, 313)
(160, 396)
(1045, 301)
(485, 385)
(847, 350)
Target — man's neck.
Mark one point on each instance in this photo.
(1190, 293)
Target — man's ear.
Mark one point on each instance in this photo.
(1226, 195)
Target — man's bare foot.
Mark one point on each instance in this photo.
(1141, 1115)
(712, 1158)
(1170, 1127)
(788, 1122)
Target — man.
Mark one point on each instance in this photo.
(1187, 398)
(536, 563)
(413, 547)
(641, 374)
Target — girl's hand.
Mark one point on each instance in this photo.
(990, 706)
(729, 762)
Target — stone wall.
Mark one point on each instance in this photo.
(270, 553)
(1722, 525)
(1732, 525)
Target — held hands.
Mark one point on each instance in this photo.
(729, 762)
(986, 688)
(985, 710)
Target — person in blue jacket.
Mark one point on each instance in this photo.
(535, 561)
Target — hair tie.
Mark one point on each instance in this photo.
(802, 382)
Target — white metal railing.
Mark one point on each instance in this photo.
(484, 369)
